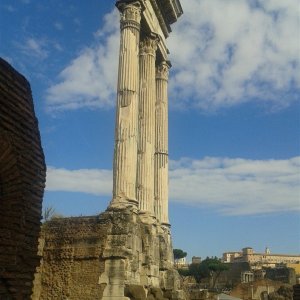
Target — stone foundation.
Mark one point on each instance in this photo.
(111, 256)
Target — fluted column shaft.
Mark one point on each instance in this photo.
(126, 128)
(161, 144)
(146, 143)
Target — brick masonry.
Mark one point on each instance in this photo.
(22, 182)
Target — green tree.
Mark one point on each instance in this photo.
(178, 254)
(184, 272)
(197, 271)
(209, 268)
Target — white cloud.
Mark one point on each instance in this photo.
(34, 47)
(234, 51)
(90, 79)
(58, 25)
(230, 186)
(237, 186)
(38, 48)
(91, 181)
(9, 8)
(57, 46)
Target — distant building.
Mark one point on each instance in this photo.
(247, 276)
(259, 274)
(196, 260)
(296, 267)
(228, 257)
(233, 275)
(259, 260)
(181, 261)
(282, 274)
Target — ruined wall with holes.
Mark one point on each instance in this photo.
(76, 253)
(71, 251)
(22, 181)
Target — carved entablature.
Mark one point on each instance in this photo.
(130, 14)
(167, 13)
(171, 10)
(162, 71)
(148, 46)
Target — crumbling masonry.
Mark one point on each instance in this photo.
(125, 252)
(22, 181)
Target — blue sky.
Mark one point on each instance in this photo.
(234, 115)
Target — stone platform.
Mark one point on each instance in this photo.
(115, 255)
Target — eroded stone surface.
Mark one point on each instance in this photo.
(111, 256)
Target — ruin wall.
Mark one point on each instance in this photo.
(70, 267)
(22, 181)
(87, 257)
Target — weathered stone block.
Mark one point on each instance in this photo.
(84, 260)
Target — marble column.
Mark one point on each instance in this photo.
(161, 144)
(126, 127)
(146, 143)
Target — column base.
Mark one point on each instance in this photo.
(122, 203)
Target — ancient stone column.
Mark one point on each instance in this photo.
(161, 143)
(146, 144)
(126, 131)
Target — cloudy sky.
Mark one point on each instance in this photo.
(234, 114)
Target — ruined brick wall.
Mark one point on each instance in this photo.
(71, 265)
(22, 181)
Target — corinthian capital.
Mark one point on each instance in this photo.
(162, 70)
(148, 45)
(130, 12)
